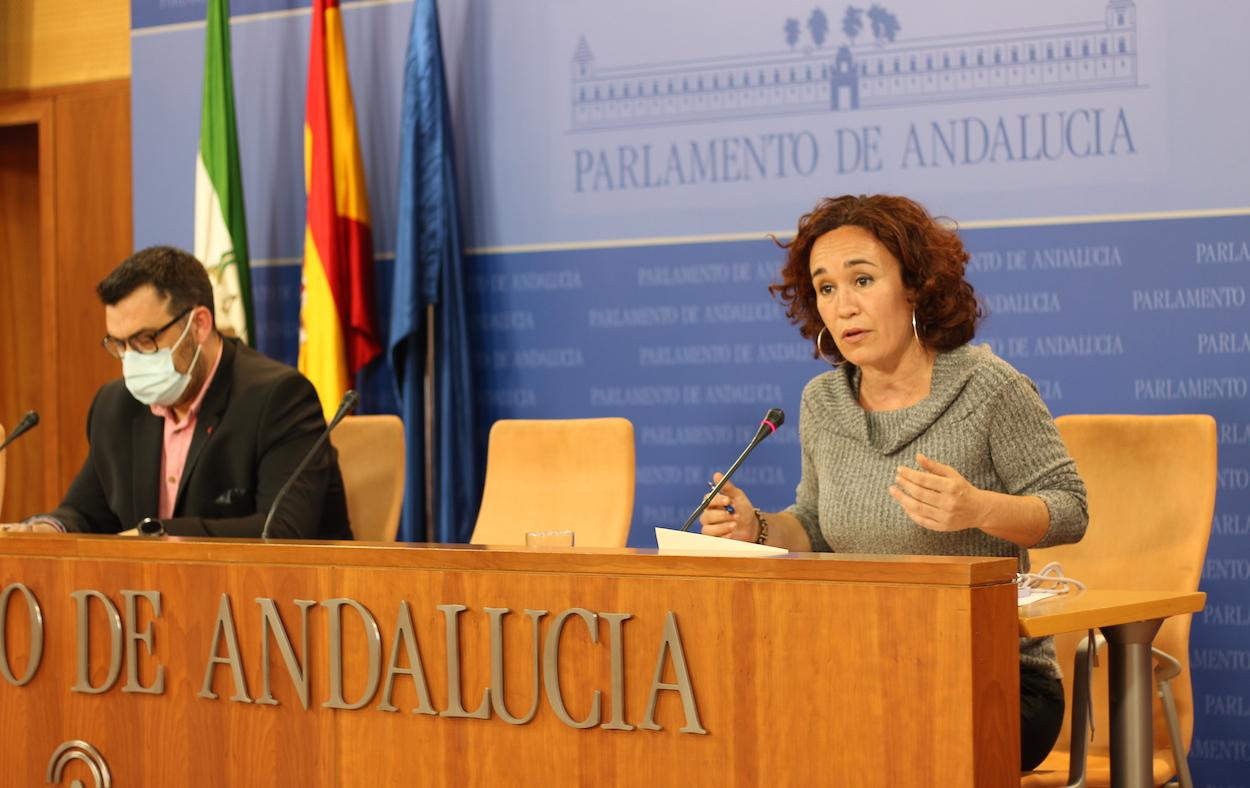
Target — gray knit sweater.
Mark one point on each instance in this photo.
(981, 417)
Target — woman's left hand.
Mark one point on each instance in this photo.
(939, 497)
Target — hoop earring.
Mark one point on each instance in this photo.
(821, 352)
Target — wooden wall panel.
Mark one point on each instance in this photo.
(24, 237)
(66, 222)
(93, 234)
(20, 315)
(59, 42)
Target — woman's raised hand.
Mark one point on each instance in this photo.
(939, 497)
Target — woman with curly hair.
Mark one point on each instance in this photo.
(916, 442)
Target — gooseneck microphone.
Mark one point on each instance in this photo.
(773, 419)
(346, 405)
(29, 420)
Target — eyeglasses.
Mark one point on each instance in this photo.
(141, 342)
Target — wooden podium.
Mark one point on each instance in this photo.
(215, 663)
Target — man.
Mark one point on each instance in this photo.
(201, 431)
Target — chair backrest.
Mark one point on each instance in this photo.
(1151, 482)
(371, 456)
(574, 474)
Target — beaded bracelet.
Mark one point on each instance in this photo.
(759, 518)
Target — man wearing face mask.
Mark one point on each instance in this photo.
(201, 432)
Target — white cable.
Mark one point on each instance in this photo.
(1049, 578)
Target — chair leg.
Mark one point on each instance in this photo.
(1086, 654)
(1166, 670)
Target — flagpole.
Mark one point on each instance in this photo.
(430, 393)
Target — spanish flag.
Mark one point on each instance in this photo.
(337, 333)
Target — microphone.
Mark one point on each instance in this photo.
(773, 419)
(346, 405)
(29, 420)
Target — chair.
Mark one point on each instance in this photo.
(574, 474)
(1151, 482)
(371, 456)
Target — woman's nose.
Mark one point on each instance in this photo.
(846, 303)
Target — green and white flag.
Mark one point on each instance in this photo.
(220, 223)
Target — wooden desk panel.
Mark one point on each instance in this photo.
(1093, 608)
(805, 670)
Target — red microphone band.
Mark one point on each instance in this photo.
(771, 426)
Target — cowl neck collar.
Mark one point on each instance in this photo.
(889, 431)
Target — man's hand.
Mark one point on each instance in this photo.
(28, 528)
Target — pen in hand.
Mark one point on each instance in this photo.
(730, 507)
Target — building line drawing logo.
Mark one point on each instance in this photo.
(79, 750)
(885, 72)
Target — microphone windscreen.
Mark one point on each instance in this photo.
(346, 405)
(27, 423)
(775, 417)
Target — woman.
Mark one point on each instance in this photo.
(917, 443)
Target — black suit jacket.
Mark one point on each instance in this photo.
(257, 421)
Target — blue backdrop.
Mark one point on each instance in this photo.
(621, 166)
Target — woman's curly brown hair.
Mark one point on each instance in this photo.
(932, 257)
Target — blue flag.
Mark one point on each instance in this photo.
(429, 271)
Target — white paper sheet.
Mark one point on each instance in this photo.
(1035, 596)
(671, 540)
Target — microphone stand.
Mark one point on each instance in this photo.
(345, 406)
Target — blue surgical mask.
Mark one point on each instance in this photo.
(152, 377)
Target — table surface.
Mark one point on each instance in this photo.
(1093, 608)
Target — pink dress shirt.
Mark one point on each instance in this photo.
(177, 444)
